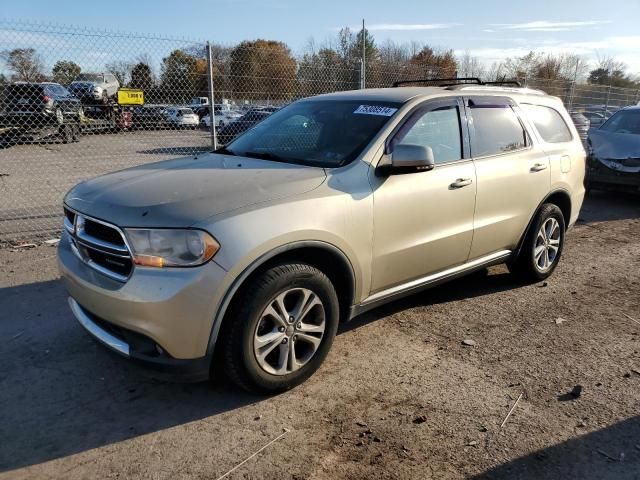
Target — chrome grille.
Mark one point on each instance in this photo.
(100, 245)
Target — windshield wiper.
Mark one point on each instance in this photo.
(266, 156)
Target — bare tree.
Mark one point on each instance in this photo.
(470, 66)
(495, 72)
(25, 64)
(121, 69)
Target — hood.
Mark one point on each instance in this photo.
(620, 151)
(185, 191)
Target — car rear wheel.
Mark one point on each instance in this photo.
(281, 328)
(542, 247)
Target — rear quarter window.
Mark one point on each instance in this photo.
(549, 123)
(497, 130)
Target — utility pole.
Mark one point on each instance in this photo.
(212, 115)
(363, 69)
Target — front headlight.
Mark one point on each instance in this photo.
(171, 248)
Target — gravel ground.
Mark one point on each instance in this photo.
(400, 396)
(35, 177)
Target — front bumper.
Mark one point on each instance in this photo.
(189, 370)
(599, 174)
(171, 308)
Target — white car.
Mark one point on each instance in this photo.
(223, 117)
(181, 117)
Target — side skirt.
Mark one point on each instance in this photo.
(423, 283)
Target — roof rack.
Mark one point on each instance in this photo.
(448, 82)
(445, 82)
(514, 83)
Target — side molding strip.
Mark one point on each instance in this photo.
(435, 277)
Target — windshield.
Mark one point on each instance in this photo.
(324, 133)
(624, 121)
(89, 77)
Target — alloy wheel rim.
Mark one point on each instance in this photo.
(289, 332)
(547, 245)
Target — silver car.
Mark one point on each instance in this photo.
(95, 86)
(246, 259)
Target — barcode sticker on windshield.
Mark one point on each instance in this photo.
(375, 110)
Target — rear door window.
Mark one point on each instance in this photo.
(497, 130)
(549, 123)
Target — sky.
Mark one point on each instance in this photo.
(488, 29)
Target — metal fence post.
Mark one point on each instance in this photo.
(571, 94)
(363, 60)
(212, 115)
(606, 102)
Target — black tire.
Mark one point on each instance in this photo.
(76, 133)
(59, 116)
(236, 343)
(525, 265)
(66, 132)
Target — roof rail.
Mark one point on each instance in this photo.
(514, 83)
(448, 82)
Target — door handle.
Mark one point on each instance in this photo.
(538, 167)
(461, 182)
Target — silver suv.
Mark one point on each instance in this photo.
(246, 259)
(95, 86)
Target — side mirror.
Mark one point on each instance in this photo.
(408, 158)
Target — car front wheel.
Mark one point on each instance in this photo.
(281, 328)
(542, 247)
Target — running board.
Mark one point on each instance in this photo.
(429, 281)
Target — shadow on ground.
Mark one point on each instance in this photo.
(610, 453)
(61, 393)
(474, 285)
(603, 206)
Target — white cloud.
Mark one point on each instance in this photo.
(624, 48)
(547, 26)
(405, 26)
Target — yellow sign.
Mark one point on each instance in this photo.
(130, 96)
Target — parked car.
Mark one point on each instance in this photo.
(245, 260)
(614, 152)
(581, 123)
(149, 117)
(181, 117)
(595, 118)
(230, 131)
(41, 105)
(92, 87)
(223, 117)
(198, 102)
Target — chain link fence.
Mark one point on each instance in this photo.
(76, 103)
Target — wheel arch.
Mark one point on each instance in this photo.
(325, 256)
(561, 199)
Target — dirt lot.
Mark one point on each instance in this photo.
(399, 396)
(35, 177)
